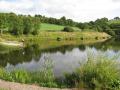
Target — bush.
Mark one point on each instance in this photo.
(35, 32)
(68, 29)
(111, 32)
(21, 76)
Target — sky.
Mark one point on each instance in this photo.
(78, 10)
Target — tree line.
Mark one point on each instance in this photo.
(19, 24)
(62, 21)
(26, 24)
(100, 25)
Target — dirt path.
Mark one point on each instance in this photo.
(12, 43)
(17, 86)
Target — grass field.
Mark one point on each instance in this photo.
(53, 27)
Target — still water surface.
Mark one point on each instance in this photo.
(65, 57)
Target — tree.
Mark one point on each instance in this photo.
(63, 18)
(27, 22)
(3, 22)
(36, 26)
(15, 24)
(70, 22)
(116, 18)
(103, 23)
(80, 25)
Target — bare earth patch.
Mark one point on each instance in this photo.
(12, 43)
(17, 86)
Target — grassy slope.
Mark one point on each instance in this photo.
(53, 27)
(55, 35)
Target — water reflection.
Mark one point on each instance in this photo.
(66, 57)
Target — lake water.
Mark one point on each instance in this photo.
(65, 56)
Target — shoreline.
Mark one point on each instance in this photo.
(11, 40)
(12, 43)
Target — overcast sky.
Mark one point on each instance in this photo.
(78, 10)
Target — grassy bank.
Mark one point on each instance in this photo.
(98, 72)
(58, 36)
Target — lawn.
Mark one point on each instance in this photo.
(53, 27)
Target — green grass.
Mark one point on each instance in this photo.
(53, 27)
(50, 27)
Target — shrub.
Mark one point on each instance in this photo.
(21, 76)
(111, 32)
(2, 73)
(35, 32)
(68, 29)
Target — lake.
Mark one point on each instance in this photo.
(64, 56)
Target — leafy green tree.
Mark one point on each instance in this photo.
(27, 22)
(63, 18)
(103, 23)
(15, 24)
(36, 26)
(70, 22)
(3, 22)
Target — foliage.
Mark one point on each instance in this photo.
(68, 29)
(3, 22)
(26, 24)
(44, 77)
(15, 24)
(98, 72)
(20, 76)
(111, 32)
(62, 21)
(36, 26)
(19, 24)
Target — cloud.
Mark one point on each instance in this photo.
(79, 10)
(116, 0)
